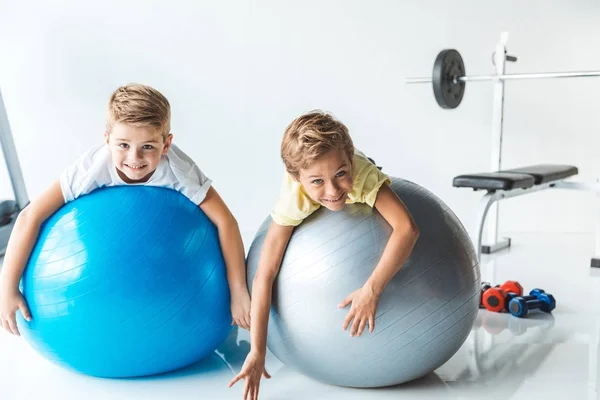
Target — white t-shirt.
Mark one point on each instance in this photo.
(94, 169)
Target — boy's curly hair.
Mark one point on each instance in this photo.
(310, 136)
(139, 105)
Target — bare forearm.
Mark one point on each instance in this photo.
(259, 313)
(262, 286)
(20, 245)
(25, 233)
(395, 254)
(233, 253)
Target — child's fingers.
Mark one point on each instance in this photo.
(243, 323)
(5, 325)
(256, 391)
(12, 324)
(347, 320)
(247, 390)
(245, 394)
(371, 323)
(235, 379)
(361, 326)
(345, 302)
(355, 324)
(24, 310)
(266, 374)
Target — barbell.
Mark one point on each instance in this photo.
(449, 77)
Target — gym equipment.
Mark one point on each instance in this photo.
(496, 298)
(520, 306)
(423, 317)
(447, 89)
(511, 287)
(505, 184)
(533, 294)
(10, 209)
(126, 281)
(449, 80)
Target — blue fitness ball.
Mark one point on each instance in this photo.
(126, 281)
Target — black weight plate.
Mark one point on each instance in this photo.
(448, 91)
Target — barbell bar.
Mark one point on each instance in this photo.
(532, 75)
(449, 78)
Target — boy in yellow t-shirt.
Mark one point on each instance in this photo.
(295, 204)
(324, 169)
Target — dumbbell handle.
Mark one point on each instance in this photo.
(534, 303)
(512, 295)
(529, 298)
(526, 298)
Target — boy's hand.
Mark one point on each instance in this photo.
(364, 305)
(251, 372)
(240, 308)
(10, 302)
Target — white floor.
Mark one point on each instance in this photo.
(554, 357)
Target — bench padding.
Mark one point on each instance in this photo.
(544, 173)
(516, 178)
(494, 181)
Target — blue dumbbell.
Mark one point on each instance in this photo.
(533, 295)
(537, 300)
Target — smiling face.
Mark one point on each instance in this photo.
(136, 151)
(328, 179)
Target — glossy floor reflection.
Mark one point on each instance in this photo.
(555, 356)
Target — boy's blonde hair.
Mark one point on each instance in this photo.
(141, 106)
(310, 136)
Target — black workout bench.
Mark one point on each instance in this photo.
(516, 182)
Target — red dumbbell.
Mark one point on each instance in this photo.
(496, 298)
(509, 285)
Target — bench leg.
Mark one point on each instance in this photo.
(484, 206)
(504, 243)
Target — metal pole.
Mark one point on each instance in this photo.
(535, 75)
(12, 161)
(497, 125)
(506, 77)
(596, 257)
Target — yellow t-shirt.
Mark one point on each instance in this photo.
(294, 205)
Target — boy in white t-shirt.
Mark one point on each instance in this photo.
(137, 151)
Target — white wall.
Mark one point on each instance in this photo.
(237, 72)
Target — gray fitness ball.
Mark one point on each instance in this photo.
(424, 315)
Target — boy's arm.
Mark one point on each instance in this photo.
(273, 248)
(269, 263)
(232, 247)
(399, 246)
(25, 233)
(20, 244)
(401, 242)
